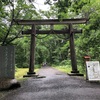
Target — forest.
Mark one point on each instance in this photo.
(53, 49)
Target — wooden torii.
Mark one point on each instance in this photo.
(69, 31)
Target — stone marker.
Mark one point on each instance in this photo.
(7, 68)
(93, 70)
(7, 62)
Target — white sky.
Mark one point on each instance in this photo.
(39, 4)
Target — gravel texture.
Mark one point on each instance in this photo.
(55, 85)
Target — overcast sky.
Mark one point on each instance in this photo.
(39, 4)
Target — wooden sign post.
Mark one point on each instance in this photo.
(93, 70)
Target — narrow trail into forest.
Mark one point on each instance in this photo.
(55, 86)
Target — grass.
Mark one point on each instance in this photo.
(20, 72)
(68, 69)
(63, 68)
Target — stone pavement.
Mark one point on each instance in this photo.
(55, 86)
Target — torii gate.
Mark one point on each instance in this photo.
(33, 32)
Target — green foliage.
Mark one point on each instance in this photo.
(10, 10)
(88, 42)
(22, 52)
(21, 72)
(53, 49)
(63, 68)
(66, 62)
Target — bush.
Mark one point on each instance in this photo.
(38, 66)
(65, 62)
(25, 65)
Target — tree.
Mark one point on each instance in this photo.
(14, 10)
(52, 48)
(10, 33)
(88, 43)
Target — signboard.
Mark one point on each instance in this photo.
(93, 70)
(7, 62)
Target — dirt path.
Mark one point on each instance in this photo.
(55, 86)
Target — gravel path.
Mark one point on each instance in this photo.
(55, 86)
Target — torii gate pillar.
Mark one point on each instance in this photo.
(32, 51)
(32, 54)
(72, 51)
(74, 71)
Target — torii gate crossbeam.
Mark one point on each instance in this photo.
(50, 21)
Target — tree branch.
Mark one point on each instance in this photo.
(11, 24)
(15, 36)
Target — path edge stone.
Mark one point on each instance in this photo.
(6, 84)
